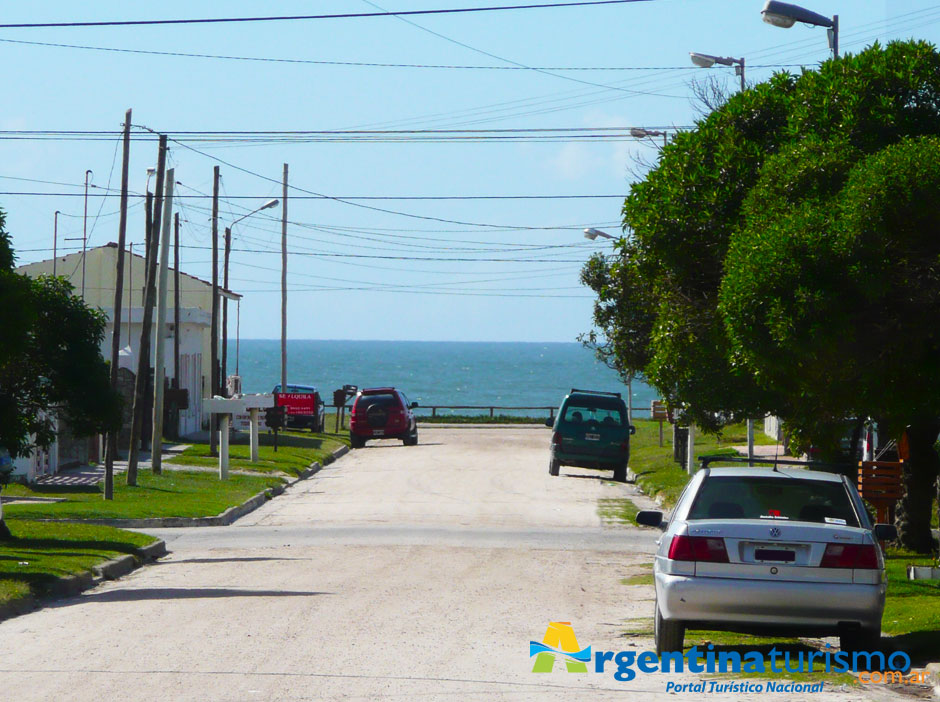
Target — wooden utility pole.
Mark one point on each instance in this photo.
(214, 332)
(228, 249)
(176, 319)
(159, 364)
(112, 440)
(284, 284)
(143, 359)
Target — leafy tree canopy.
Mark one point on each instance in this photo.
(780, 257)
(50, 362)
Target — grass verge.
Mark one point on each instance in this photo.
(617, 510)
(171, 494)
(40, 553)
(295, 452)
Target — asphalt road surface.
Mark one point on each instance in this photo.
(397, 573)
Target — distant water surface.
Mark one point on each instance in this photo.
(436, 372)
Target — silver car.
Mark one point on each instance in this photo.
(769, 551)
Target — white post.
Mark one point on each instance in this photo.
(159, 371)
(690, 450)
(223, 446)
(253, 413)
(750, 442)
(630, 401)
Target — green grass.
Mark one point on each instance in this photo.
(295, 452)
(40, 553)
(638, 579)
(172, 494)
(658, 475)
(617, 510)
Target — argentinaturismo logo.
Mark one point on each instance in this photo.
(559, 642)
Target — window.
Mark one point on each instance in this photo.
(579, 414)
(818, 501)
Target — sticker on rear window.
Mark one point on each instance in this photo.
(835, 520)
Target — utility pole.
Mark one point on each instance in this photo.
(228, 249)
(112, 440)
(159, 367)
(284, 284)
(214, 333)
(85, 233)
(143, 360)
(176, 319)
(55, 240)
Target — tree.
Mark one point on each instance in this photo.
(784, 252)
(50, 361)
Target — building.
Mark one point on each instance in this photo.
(195, 314)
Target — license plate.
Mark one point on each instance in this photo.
(378, 432)
(775, 554)
(592, 437)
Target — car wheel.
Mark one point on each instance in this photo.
(356, 441)
(668, 634)
(553, 466)
(852, 640)
(620, 473)
(411, 439)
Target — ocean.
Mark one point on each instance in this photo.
(519, 374)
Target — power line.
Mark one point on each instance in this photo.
(366, 64)
(286, 18)
(343, 197)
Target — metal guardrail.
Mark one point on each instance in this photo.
(492, 408)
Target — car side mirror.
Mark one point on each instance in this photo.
(413, 405)
(632, 429)
(549, 422)
(885, 532)
(649, 517)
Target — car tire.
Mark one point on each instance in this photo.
(620, 473)
(668, 634)
(852, 640)
(411, 439)
(553, 467)
(356, 441)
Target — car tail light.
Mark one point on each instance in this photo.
(556, 438)
(698, 548)
(862, 556)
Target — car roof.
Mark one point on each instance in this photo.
(296, 385)
(786, 473)
(375, 391)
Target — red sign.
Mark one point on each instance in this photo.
(297, 402)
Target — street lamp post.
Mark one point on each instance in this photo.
(640, 133)
(707, 61)
(55, 240)
(228, 246)
(785, 15)
(592, 234)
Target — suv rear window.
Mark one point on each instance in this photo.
(756, 498)
(382, 400)
(579, 413)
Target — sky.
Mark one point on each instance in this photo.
(452, 234)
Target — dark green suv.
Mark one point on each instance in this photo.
(591, 430)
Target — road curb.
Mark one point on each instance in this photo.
(227, 517)
(934, 670)
(73, 585)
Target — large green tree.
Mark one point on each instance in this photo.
(50, 361)
(783, 256)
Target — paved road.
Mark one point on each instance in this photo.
(416, 573)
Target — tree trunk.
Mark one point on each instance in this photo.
(919, 477)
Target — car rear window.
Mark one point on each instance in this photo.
(580, 413)
(817, 501)
(383, 400)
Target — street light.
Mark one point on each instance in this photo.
(707, 61)
(785, 15)
(228, 246)
(592, 234)
(85, 231)
(640, 133)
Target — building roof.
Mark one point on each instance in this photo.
(225, 292)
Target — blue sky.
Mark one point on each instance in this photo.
(364, 279)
